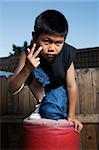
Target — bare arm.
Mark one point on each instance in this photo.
(19, 67)
(73, 96)
(17, 80)
(37, 90)
(20, 64)
(22, 73)
(72, 90)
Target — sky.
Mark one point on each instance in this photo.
(17, 21)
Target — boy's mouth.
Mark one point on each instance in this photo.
(50, 56)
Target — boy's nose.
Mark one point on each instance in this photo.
(51, 48)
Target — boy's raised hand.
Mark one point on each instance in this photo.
(33, 60)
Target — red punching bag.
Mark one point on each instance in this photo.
(47, 134)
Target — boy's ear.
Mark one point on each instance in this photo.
(33, 36)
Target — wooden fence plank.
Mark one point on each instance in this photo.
(32, 101)
(78, 100)
(87, 91)
(97, 91)
(93, 87)
(4, 96)
(97, 136)
(89, 118)
(13, 104)
(88, 137)
(24, 101)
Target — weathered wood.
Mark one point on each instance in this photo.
(78, 100)
(32, 101)
(88, 137)
(23, 101)
(4, 96)
(12, 136)
(12, 119)
(87, 90)
(13, 104)
(97, 91)
(92, 118)
(97, 136)
(4, 136)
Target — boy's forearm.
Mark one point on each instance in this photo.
(72, 95)
(16, 81)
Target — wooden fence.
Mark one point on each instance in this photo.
(15, 108)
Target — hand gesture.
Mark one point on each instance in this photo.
(33, 60)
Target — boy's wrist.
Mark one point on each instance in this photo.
(29, 65)
(71, 116)
(28, 68)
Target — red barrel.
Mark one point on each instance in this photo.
(47, 134)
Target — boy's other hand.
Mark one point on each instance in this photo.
(33, 60)
(77, 124)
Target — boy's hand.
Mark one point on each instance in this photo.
(78, 125)
(33, 60)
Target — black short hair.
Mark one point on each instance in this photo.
(51, 22)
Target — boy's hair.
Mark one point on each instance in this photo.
(51, 22)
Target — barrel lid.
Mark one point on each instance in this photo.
(48, 122)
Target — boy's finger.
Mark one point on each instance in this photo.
(76, 127)
(32, 50)
(28, 50)
(80, 127)
(37, 52)
(77, 130)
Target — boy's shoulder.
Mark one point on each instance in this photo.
(69, 54)
(69, 51)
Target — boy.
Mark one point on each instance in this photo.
(48, 69)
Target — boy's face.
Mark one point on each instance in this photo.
(51, 44)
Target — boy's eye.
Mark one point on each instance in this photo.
(59, 43)
(46, 42)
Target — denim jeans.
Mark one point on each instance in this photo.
(55, 101)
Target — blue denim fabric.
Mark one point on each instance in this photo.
(55, 102)
(41, 76)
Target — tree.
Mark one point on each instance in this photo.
(18, 49)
